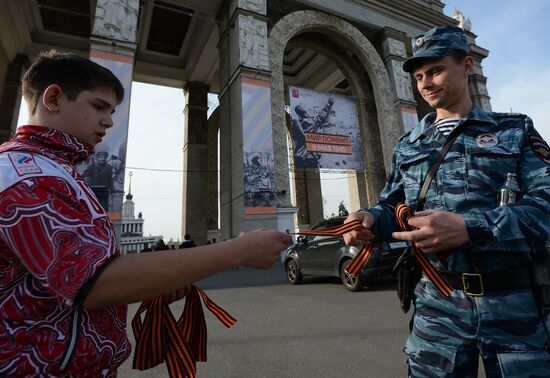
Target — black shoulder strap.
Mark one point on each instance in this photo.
(433, 169)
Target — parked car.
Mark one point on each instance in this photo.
(329, 256)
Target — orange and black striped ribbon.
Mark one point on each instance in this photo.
(362, 257)
(402, 214)
(159, 338)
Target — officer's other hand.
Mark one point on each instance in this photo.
(436, 231)
(364, 235)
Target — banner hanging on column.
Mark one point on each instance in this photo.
(410, 118)
(325, 130)
(104, 170)
(258, 169)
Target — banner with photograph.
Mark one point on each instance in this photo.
(104, 171)
(325, 130)
(410, 118)
(258, 169)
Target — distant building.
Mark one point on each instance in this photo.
(132, 239)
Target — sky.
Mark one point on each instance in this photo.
(517, 35)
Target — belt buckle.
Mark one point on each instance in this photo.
(467, 287)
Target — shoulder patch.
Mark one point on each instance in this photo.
(540, 148)
(23, 163)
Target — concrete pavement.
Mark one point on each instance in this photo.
(317, 329)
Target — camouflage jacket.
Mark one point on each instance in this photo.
(468, 183)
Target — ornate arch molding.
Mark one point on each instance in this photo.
(362, 89)
(347, 36)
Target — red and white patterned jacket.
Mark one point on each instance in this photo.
(54, 237)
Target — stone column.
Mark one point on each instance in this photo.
(10, 99)
(195, 163)
(314, 197)
(213, 187)
(393, 55)
(113, 45)
(245, 69)
(309, 197)
(307, 183)
(477, 84)
(364, 186)
(300, 190)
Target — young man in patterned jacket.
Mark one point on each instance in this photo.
(63, 285)
(483, 250)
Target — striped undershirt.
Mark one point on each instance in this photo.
(445, 125)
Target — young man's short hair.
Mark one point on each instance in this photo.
(73, 73)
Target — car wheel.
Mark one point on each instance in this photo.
(352, 283)
(293, 273)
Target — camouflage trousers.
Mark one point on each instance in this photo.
(450, 334)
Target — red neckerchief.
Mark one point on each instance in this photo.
(59, 145)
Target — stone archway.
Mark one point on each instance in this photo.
(364, 191)
(348, 37)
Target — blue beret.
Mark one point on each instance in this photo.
(436, 43)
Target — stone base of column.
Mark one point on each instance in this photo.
(282, 220)
(214, 234)
(286, 218)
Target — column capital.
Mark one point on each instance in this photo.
(196, 96)
(189, 108)
(251, 6)
(112, 46)
(401, 81)
(196, 87)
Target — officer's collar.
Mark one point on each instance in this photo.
(476, 114)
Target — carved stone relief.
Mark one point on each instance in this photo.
(486, 104)
(116, 19)
(256, 6)
(396, 47)
(253, 43)
(482, 89)
(463, 22)
(402, 82)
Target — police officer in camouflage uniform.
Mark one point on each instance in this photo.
(484, 251)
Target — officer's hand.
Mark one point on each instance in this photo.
(363, 236)
(436, 231)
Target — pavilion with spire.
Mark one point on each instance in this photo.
(132, 239)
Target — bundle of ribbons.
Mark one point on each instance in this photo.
(402, 214)
(160, 338)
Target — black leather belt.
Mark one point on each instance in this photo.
(477, 284)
